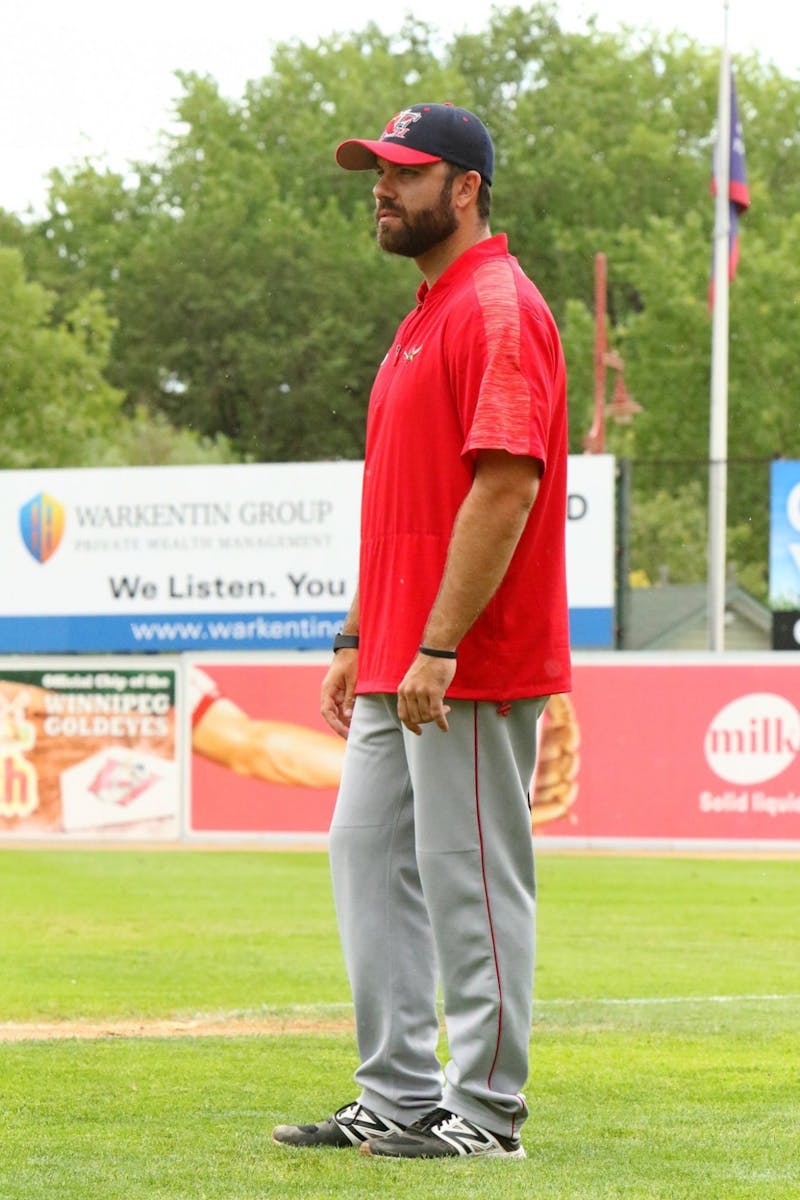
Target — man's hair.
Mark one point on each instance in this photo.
(484, 194)
(485, 201)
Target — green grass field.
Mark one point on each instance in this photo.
(665, 1050)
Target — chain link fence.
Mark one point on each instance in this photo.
(662, 537)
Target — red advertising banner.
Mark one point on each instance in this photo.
(645, 749)
(674, 750)
(263, 760)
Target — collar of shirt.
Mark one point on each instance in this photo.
(465, 263)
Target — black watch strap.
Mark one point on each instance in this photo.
(345, 641)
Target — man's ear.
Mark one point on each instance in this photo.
(466, 188)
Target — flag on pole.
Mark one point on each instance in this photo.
(738, 191)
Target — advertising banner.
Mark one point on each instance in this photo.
(262, 758)
(174, 558)
(682, 750)
(263, 761)
(591, 550)
(89, 748)
(784, 554)
(234, 557)
(646, 749)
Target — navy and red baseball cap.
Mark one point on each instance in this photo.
(425, 133)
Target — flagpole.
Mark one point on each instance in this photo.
(718, 434)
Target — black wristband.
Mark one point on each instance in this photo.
(433, 653)
(345, 641)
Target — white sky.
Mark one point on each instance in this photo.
(93, 78)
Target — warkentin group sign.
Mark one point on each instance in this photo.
(239, 557)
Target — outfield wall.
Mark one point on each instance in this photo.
(648, 751)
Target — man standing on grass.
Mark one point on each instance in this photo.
(446, 659)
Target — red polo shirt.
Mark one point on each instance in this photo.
(477, 365)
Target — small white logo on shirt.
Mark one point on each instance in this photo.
(410, 355)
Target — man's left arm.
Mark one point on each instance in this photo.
(485, 534)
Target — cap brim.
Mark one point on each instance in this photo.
(358, 155)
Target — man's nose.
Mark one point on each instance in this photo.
(382, 188)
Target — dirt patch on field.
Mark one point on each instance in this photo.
(41, 1031)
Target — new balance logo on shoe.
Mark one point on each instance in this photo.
(443, 1134)
(465, 1137)
(360, 1123)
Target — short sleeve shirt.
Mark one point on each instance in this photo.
(477, 365)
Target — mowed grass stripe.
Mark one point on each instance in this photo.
(134, 933)
(663, 1056)
(613, 1116)
(316, 1019)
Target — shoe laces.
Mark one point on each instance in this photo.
(349, 1114)
(425, 1124)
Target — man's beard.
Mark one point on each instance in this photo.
(417, 235)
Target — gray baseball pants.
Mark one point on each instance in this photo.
(433, 878)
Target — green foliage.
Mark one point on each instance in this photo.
(248, 301)
(577, 332)
(148, 440)
(57, 407)
(53, 395)
(669, 534)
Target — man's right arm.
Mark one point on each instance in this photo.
(338, 686)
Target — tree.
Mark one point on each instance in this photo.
(250, 302)
(56, 407)
(54, 399)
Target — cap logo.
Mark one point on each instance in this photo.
(399, 126)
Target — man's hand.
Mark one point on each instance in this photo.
(338, 688)
(420, 697)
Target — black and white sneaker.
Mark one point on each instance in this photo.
(443, 1134)
(349, 1126)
